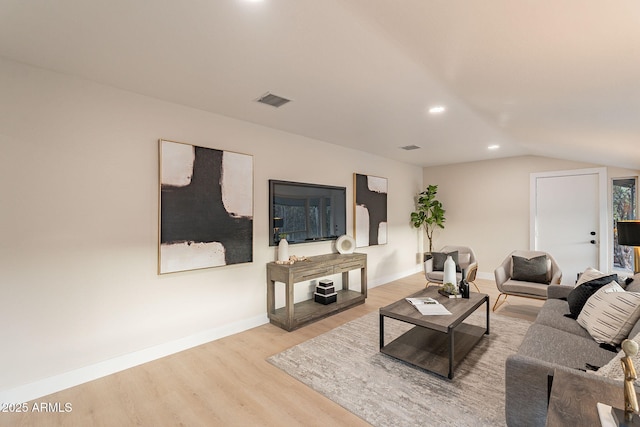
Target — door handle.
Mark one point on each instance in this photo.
(593, 242)
(593, 233)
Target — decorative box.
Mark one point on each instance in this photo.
(325, 299)
(325, 287)
(325, 291)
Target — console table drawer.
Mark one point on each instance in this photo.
(348, 266)
(312, 273)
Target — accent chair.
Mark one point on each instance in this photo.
(526, 274)
(465, 260)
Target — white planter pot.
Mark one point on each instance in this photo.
(283, 250)
(450, 271)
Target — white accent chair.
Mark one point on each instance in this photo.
(507, 285)
(466, 260)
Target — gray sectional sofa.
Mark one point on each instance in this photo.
(552, 342)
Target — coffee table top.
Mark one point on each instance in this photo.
(460, 309)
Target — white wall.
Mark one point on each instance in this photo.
(487, 204)
(79, 226)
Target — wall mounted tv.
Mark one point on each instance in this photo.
(306, 212)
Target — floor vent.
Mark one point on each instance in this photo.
(273, 100)
(410, 147)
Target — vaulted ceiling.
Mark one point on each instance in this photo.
(543, 77)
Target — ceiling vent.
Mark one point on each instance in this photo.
(410, 147)
(273, 100)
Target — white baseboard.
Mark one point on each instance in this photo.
(386, 279)
(46, 386)
(485, 276)
(418, 269)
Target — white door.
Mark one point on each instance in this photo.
(569, 219)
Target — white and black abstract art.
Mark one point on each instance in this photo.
(206, 207)
(370, 222)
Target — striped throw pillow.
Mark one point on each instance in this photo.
(610, 313)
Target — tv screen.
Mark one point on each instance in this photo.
(304, 213)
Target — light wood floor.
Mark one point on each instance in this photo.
(228, 382)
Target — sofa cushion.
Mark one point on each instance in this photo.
(530, 270)
(613, 369)
(559, 291)
(635, 330)
(552, 345)
(583, 291)
(440, 257)
(610, 314)
(552, 314)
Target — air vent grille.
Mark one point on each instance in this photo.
(273, 100)
(410, 147)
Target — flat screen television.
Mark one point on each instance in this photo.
(305, 213)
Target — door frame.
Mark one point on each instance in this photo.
(603, 232)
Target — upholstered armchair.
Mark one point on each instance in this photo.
(526, 274)
(465, 260)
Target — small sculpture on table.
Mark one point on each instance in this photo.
(292, 260)
(628, 416)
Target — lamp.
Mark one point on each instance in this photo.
(629, 235)
(278, 223)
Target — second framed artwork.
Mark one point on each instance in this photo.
(370, 210)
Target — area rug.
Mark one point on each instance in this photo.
(346, 366)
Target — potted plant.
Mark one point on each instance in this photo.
(429, 213)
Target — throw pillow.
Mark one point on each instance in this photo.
(440, 257)
(530, 270)
(590, 274)
(610, 314)
(582, 292)
(613, 369)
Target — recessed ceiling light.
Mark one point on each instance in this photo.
(437, 109)
(410, 147)
(493, 147)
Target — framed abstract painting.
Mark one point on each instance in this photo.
(370, 210)
(206, 207)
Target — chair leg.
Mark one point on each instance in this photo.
(496, 305)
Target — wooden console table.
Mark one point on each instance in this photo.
(293, 316)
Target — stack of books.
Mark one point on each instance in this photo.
(428, 306)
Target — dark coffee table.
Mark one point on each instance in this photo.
(436, 343)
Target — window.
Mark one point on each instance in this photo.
(624, 194)
(305, 218)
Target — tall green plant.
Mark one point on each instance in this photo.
(429, 213)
